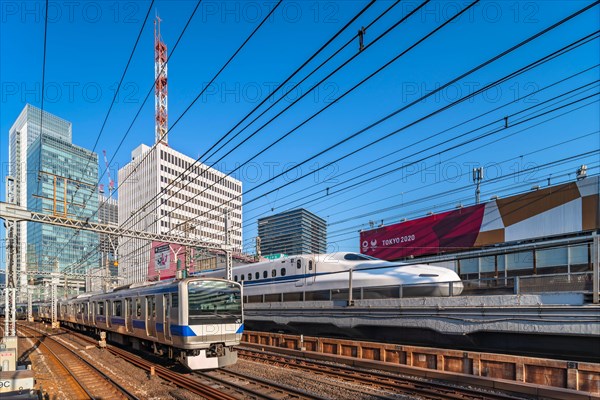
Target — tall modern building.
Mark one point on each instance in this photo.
(292, 232)
(62, 182)
(55, 177)
(201, 198)
(108, 213)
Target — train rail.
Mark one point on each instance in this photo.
(259, 388)
(385, 381)
(213, 385)
(83, 380)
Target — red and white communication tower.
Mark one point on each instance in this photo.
(160, 90)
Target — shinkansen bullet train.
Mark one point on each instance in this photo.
(195, 321)
(322, 276)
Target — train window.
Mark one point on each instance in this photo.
(357, 257)
(235, 278)
(242, 278)
(249, 276)
(265, 274)
(129, 308)
(273, 272)
(117, 308)
(257, 275)
(299, 264)
(138, 308)
(310, 265)
(282, 271)
(101, 308)
(175, 300)
(151, 306)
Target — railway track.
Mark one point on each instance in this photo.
(259, 388)
(214, 385)
(385, 381)
(81, 379)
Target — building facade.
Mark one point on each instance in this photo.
(292, 232)
(541, 231)
(108, 213)
(26, 128)
(62, 182)
(194, 207)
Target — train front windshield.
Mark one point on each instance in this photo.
(214, 299)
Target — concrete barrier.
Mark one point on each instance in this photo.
(498, 369)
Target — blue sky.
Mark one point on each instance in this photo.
(88, 45)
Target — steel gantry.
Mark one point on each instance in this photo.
(12, 213)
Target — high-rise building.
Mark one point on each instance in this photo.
(62, 181)
(194, 206)
(108, 213)
(292, 232)
(28, 127)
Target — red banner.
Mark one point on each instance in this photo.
(163, 260)
(439, 233)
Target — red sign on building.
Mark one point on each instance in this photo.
(163, 260)
(444, 232)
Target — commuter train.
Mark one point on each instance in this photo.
(195, 321)
(20, 311)
(317, 276)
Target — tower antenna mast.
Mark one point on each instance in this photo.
(160, 89)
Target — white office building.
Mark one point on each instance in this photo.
(193, 207)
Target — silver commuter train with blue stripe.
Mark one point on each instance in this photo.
(195, 321)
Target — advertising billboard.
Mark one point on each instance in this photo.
(163, 260)
(542, 212)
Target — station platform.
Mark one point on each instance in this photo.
(554, 325)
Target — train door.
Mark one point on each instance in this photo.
(129, 316)
(167, 315)
(312, 271)
(108, 312)
(300, 265)
(150, 316)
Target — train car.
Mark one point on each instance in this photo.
(195, 321)
(20, 311)
(318, 272)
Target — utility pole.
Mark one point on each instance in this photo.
(477, 178)
(596, 269)
(106, 273)
(258, 248)
(10, 291)
(54, 301)
(228, 255)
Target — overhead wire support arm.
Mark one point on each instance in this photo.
(361, 38)
(18, 213)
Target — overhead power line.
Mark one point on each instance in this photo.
(387, 64)
(544, 59)
(189, 170)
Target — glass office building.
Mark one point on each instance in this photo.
(292, 232)
(61, 181)
(28, 126)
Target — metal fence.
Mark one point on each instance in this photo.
(581, 282)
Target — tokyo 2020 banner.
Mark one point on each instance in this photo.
(447, 231)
